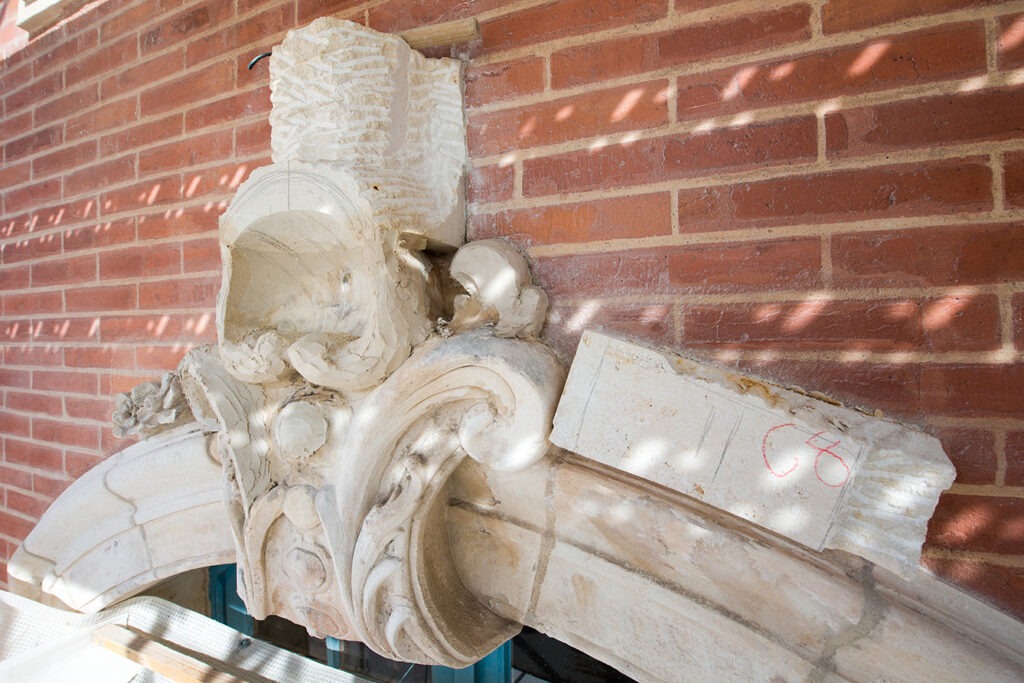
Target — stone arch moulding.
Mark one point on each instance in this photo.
(381, 444)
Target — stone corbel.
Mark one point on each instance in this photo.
(372, 442)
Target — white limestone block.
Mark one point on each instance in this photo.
(820, 474)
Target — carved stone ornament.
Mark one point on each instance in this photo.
(376, 422)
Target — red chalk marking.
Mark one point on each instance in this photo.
(764, 452)
(821, 450)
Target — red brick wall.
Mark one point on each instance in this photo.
(828, 193)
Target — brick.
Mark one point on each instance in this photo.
(104, 298)
(629, 108)
(195, 220)
(143, 135)
(107, 58)
(849, 15)
(230, 109)
(31, 196)
(33, 143)
(162, 358)
(12, 476)
(1000, 585)
(894, 389)
(148, 328)
(220, 181)
(397, 15)
(11, 377)
(37, 91)
(133, 16)
(637, 54)
(1015, 458)
(76, 464)
(65, 51)
(201, 255)
(139, 75)
(252, 139)
(937, 256)
(106, 116)
(65, 381)
(65, 330)
(34, 403)
(14, 76)
(557, 20)
(95, 409)
(100, 176)
(1013, 178)
(490, 83)
(47, 355)
(184, 92)
(978, 523)
(35, 247)
(151, 192)
(926, 189)
(779, 264)
(185, 25)
(973, 390)
(66, 434)
(265, 28)
(15, 277)
(16, 330)
(75, 211)
(957, 323)
(65, 271)
(73, 101)
(191, 151)
(15, 174)
(1010, 46)
(142, 261)
(32, 303)
(617, 218)
(489, 183)
(26, 504)
(13, 126)
(13, 424)
(671, 157)
(904, 60)
(56, 163)
(49, 486)
(928, 122)
(720, 268)
(99, 235)
(14, 526)
(652, 323)
(308, 10)
(195, 292)
(99, 357)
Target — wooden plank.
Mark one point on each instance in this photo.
(173, 664)
(439, 35)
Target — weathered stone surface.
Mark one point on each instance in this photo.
(667, 588)
(821, 474)
(151, 511)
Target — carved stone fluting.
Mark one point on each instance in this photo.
(151, 407)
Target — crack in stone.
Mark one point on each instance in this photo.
(547, 543)
(871, 615)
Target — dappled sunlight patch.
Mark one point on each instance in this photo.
(868, 58)
(939, 314)
(1013, 36)
(626, 104)
(804, 313)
